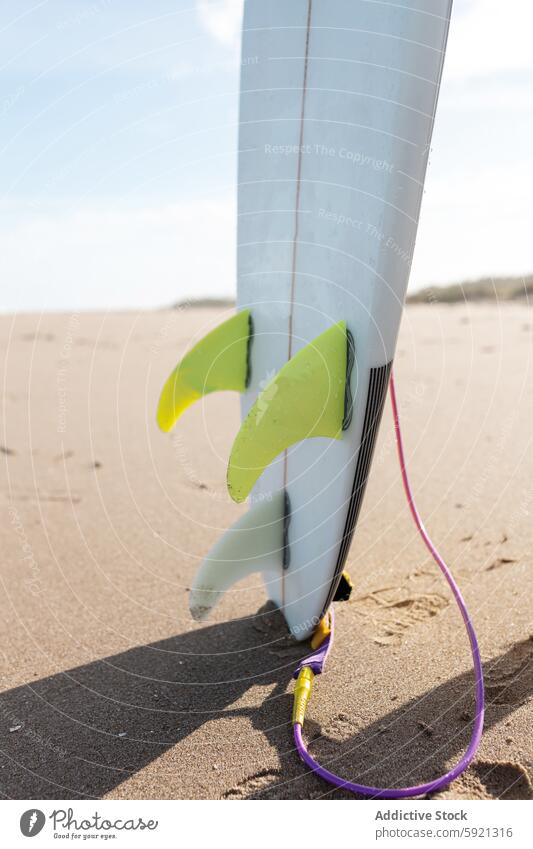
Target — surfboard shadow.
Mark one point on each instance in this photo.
(82, 732)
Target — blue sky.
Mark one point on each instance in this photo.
(118, 151)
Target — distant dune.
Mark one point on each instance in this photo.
(204, 303)
(495, 289)
(486, 289)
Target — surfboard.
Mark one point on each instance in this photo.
(337, 106)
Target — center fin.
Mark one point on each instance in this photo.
(305, 399)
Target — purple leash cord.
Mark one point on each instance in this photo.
(316, 662)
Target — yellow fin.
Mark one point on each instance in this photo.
(305, 399)
(323, 630)
(220, 361)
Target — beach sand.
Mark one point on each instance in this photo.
(110, 690)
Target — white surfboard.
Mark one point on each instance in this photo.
(338, 100)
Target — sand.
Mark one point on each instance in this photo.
(110, 690)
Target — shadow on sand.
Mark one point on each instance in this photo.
(68, 744)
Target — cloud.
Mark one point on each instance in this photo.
(487, 36)
(222, 19)
(474, 224)
(116, 258)
(490, 37)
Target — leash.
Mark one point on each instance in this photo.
(313, 665)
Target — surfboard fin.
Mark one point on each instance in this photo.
(253, 544)
(307, 398)
(220, 361)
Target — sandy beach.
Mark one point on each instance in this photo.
(109, 689)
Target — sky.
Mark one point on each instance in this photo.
(118, 140)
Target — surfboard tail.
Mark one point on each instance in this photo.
(309, 397)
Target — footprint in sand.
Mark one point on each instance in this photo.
(504, 780)
(393, 611)
(501, 561)
(253, 784)
(38, 337)
(490, 780)
(511, 683)
(58, 497)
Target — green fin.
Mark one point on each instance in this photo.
(304, 400)
(218, 362)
